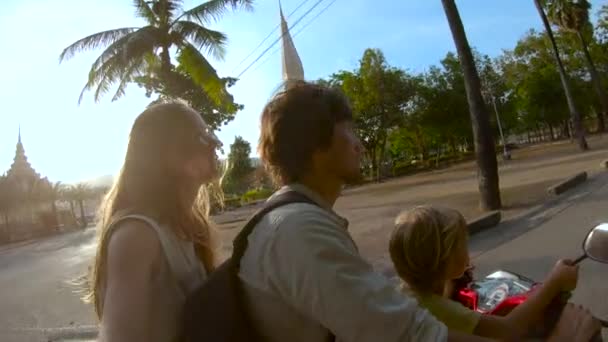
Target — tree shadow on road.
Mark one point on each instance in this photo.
(517, 226)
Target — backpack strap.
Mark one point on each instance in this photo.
(241, 240)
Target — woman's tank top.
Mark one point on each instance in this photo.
(179, 274)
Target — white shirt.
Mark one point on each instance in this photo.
(303, 275)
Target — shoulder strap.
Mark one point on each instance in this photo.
(240, 242)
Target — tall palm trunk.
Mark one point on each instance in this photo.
(72, 208)
(574, 113)
(6, 222)
(55, 216)
(597, 83)
(482, 131)
(82, 216)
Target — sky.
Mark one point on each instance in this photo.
(68, 142)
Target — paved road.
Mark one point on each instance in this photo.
(36, 295)
(560, 235)
(35, 290)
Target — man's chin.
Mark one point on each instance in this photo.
(354, 179)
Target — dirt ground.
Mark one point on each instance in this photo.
(524, 180)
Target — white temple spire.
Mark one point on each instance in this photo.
(292, 65)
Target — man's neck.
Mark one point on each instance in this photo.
(326, 187)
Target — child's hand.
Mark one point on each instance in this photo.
(564, 275)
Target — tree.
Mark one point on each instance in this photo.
(482, 133)
(261, 178)
(602, 24)
(379, 95)
(573, 16)
(574, 112)
(8, 199)
(239, 169)
(67, 195)
(142, 55)
(51, 193)
(537, 94)
(79, 193)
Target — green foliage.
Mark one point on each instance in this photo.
(379, 95)
(256, 194)
(602, 24)
(408, 121)
(530, 72)
(142, 55)
(239, 172)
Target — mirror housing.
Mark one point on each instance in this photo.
(595, 244)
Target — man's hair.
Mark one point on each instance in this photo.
(296, 123)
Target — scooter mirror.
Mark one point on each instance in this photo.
(596, 243)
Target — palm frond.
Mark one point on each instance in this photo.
(120, 65)
(201, 71)
(94, 41)
(568, 15)
(174, 8)
(133, 71)
(121, 44)
(202, 38)
(143, 10)
(213, 10)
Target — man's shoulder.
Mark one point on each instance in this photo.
(301, 215)
(299, 210)
(297, 221)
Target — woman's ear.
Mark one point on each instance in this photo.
(175, 159)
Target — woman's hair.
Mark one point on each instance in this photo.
(297, 122)
(162, 138)
(423, 240)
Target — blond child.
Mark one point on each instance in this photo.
(429, 249)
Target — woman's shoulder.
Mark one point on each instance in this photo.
(133, 244)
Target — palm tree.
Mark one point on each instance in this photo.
(574, 113)
(482, 132)
(51, 192)
(55, 192)
(134, 52)
(573, 16)
(80, 193)
(8, 199)
(67, 195)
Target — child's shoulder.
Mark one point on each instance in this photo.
(453, 314)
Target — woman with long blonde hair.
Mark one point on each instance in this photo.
(155, 237)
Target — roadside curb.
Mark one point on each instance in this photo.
(71, 333)
(88, 333)
(568, 184)
(484, 222)
(528, 220)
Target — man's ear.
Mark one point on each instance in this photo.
(318, 157)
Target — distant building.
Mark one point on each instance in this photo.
(21, 172)
(27, 215)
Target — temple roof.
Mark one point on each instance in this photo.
(292, 65)
(21, 168)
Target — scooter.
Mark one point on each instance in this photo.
(501, 291)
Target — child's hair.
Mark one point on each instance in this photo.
(423, 240)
